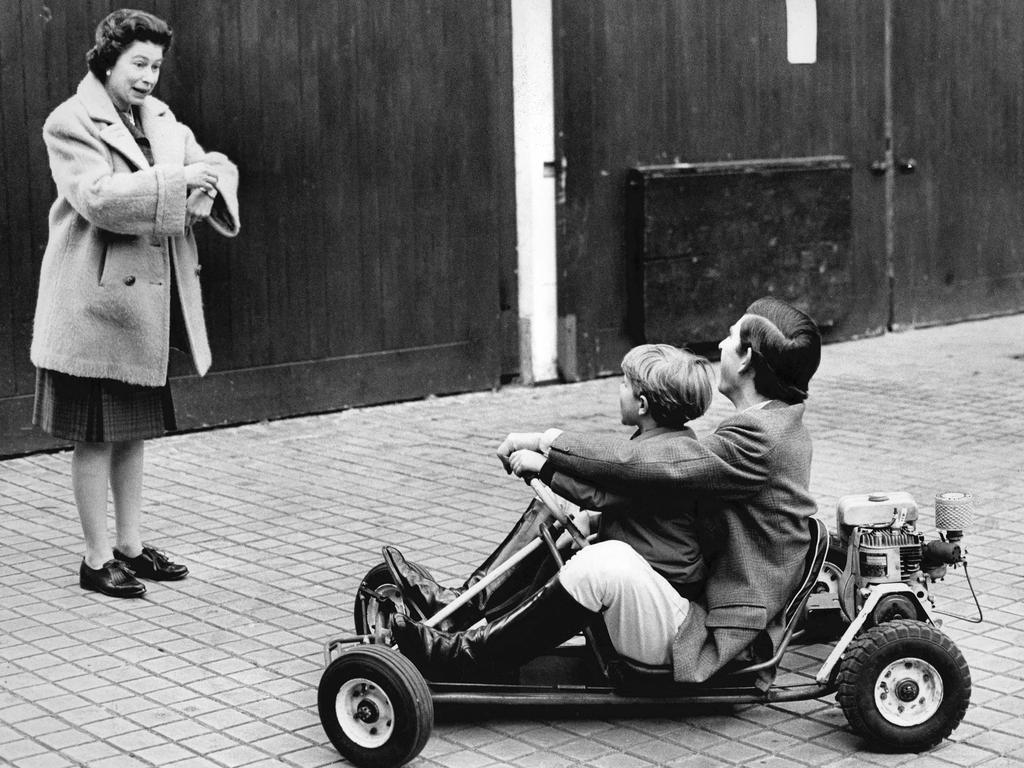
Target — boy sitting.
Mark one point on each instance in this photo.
(662, 389)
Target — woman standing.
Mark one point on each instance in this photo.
(120, 269)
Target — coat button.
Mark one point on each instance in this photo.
(130, 280)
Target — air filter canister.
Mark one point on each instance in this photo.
(954, 511)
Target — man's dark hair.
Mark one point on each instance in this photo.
(118, 31)
(786, 348)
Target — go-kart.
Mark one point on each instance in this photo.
(901, 683)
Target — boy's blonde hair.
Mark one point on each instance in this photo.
(676, 382)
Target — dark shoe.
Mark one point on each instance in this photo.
(153, 564)
(547, 619)
(421, 593)
(114, 579)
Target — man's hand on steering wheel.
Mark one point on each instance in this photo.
(525, 441)
(526, 464)
(517, 441)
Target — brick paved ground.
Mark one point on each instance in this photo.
(279, 522)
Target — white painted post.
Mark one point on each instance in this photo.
(533, 79)
(801, 31)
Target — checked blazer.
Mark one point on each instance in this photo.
(750, 478)
(660, 527)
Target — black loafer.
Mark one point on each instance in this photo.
(153, 564)
(114, 579)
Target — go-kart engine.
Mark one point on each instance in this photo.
(880, 529)
(885, 547)
(889, 556)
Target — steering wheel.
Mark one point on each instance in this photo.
(547, 497)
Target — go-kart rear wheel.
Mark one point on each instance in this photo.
(375, 707)
(822, 626)
(904, 686)
(372, 613)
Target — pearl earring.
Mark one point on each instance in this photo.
(108, 73)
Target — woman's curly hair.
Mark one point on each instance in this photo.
(118, 31)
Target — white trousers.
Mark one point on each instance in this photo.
(641, 609)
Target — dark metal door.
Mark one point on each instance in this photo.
(957, 159)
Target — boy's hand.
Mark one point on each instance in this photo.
(517, 441)
(525, 463)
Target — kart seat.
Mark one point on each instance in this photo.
(629, 674)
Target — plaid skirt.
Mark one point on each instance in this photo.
(100, 410)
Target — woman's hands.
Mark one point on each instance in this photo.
(201, 183)
(197, 207)
(200, 176)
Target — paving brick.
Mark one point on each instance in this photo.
(238, 755)
(312, 757)
(120, 760)
(192, 762)
(21, 749)
(281, 744)
(208, 743)
(163, 754)
(89, 752)
(48, 760)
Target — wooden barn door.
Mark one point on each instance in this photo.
(958, 159)
(697, 82)
(374, 140)
(923, 98)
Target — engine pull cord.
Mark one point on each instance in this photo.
(974, 594)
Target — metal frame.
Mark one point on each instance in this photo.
(714, 691)
(877, 593)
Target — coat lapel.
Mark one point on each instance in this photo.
(117, 136)
(113, 132)
(162, 133)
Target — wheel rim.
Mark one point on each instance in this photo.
(828, 579)
(908, 691)
(365, 713)
(378, 617)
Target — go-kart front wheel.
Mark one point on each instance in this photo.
(378, 598)
(375, 707)
(904, 686)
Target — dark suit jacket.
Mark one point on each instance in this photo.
(752, 476)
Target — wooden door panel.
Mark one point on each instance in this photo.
(694, 81)
(374, 140)
(958, 112)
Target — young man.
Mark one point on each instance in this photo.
(752, 478)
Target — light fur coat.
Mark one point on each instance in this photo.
(116, 230)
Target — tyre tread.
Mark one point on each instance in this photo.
(392, 665)
(858, 656)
